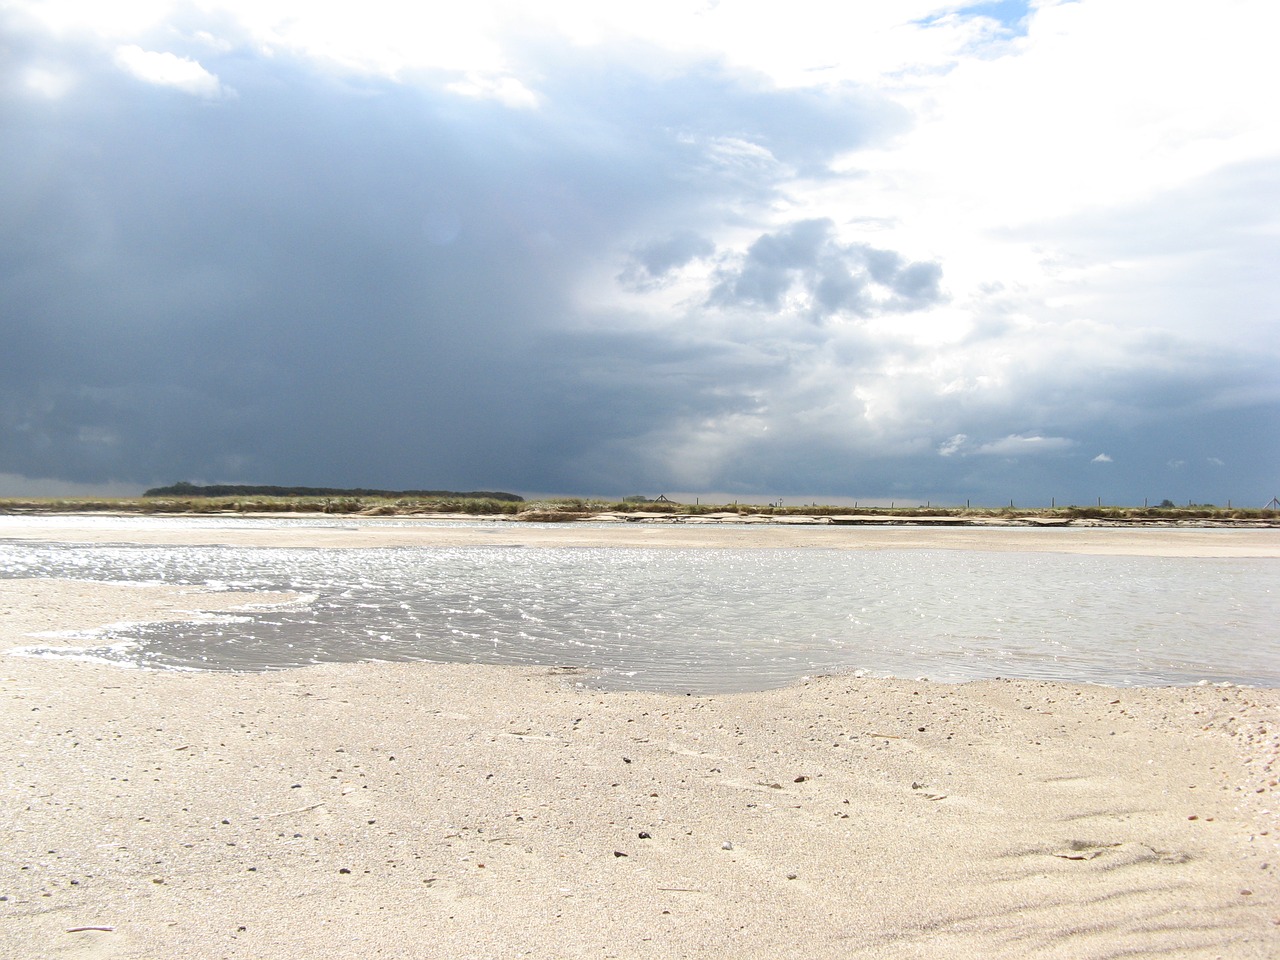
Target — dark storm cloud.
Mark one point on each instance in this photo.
(308, 275)
(351, 281)
(833, 277)
(652, 262)
(1039, 439)
(1033, 436)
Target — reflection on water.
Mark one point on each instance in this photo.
(707, 619)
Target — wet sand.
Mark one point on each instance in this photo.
(418, 810)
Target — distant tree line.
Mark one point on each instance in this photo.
(184, 489)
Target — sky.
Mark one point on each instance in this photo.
(914, 251)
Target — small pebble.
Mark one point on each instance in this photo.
(727, 845)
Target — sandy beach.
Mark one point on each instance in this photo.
(763, 533)
(420, 810)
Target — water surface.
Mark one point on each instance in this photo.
(705, 619)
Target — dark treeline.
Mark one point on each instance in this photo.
(184, 489)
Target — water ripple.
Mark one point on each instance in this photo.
(706, 619)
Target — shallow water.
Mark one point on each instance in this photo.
(704, 619)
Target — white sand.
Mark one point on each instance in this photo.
(360, 532)
(417, 810)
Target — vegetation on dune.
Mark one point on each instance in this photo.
(498, 505)
(1118, 513)
(185, 490)
(363, 506)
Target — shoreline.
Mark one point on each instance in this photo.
(1035, 518)
(411, 810)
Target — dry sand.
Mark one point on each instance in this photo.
(416, 810)
(356, 532)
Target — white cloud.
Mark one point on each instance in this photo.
(506, 90)
(1013, 445)
(168, 70)
(1017, 445)
(393, 39)
(1069, 120)
(1101, 458)
(108, 20)
(824, 43)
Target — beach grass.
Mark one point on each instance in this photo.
(578, 508)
